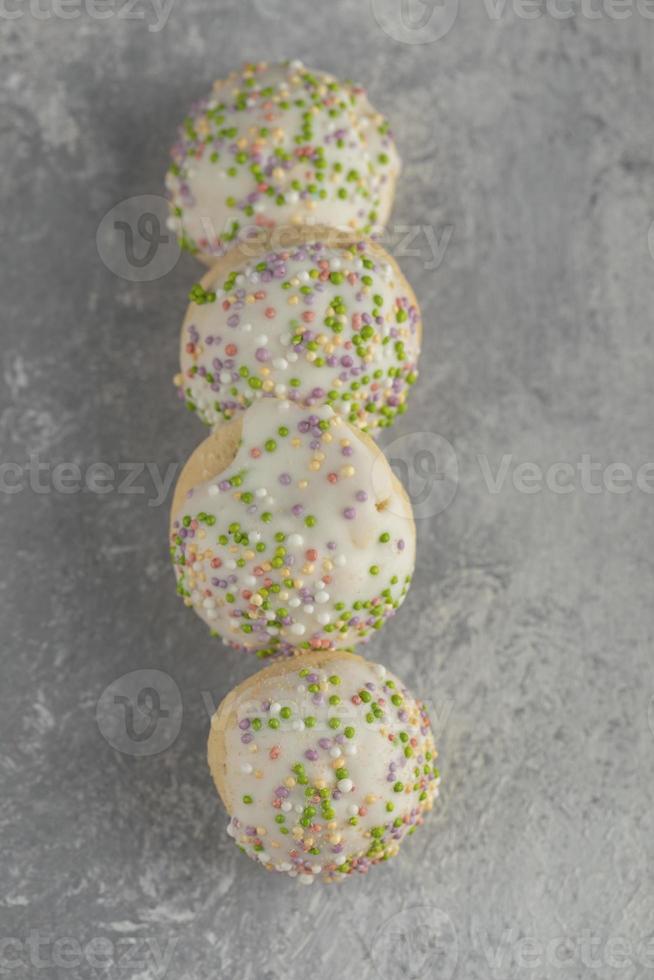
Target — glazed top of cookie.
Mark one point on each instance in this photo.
(313, 322)
(324, 769)
(279, 144)
(306, 540)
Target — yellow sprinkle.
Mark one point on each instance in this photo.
(347, 471)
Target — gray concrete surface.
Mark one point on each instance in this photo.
(528, 144)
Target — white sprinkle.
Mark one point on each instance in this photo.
(298, 629)
(308, 609)
(298, 725)
(246, 767)
(275, 708)
(341, 858)
(230, 563)
(284, 866)
(345, 785)
(263, 856)
(305, 879)
(247, 328)
(322, 597)
(225, 377)
(280, 390)
(261, 492)
(291, 356)
(250, 580)
(263, 340)
(350, 750)
(335, 752)
(323, 618)
(296, 540)
(280, 363)
(340, 560)
(213, 490)
(380, 670)
(353, 810)
(286, 806)
(294, 602)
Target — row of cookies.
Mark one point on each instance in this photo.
(290, 535)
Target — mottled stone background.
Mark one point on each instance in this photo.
(528, 146)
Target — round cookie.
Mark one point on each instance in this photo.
(313, 315)
(289, 530)
(325, 763)
(279, 145)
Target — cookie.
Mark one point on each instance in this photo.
(279, 145)
(313, 315)
(290, 531)
(325, 764)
